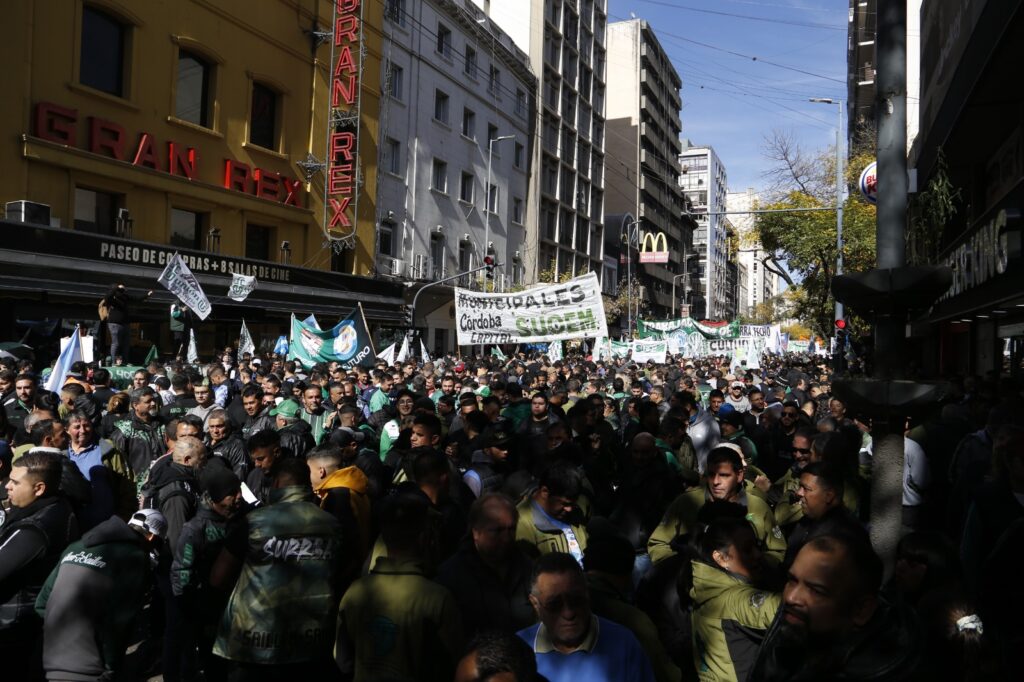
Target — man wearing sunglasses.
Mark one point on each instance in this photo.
(570, 642)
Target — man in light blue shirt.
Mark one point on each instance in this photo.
(570, 642)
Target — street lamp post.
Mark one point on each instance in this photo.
(632, 229)
(686, 282)
(487, 191)
(840, 183)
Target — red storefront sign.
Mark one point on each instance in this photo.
(59, 124)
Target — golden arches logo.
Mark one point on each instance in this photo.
(649, 248)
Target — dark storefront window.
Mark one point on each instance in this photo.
(101, 62)
(96, 211)
(186, 229)
(193, 90)
(263, 118)
(257, 241)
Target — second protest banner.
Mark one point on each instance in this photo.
(549, 312)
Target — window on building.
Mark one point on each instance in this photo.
(518, 154)
(395, 11)
(257, 241)
(492, 134)
(439, 176)
(186, 229)
(466, 188)
(385, 240)
(192, 94)
(520, 102)
(494, 81)
(437, 260)
(101, 61)
(441, 101)
(470, 62)
(465, 256)
(96, 212)
(392, 156)
(469, 123)
(395, 76)
(444, 40)
(492, 198)
(517, 210)
(263, 117)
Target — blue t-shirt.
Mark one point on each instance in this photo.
(101, 507)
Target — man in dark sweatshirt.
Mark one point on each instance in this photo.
(91, 599)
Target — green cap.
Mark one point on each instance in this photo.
(287, 408)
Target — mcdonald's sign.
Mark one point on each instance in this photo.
(649, 248)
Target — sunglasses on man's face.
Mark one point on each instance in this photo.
(790, 414)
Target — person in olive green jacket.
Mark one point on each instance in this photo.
(396, 623)
(723, 481)
(730, 615)
(549, 518)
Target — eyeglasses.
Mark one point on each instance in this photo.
(790, 414)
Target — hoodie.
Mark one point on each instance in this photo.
(344, 495)
(705, 434)
(91, 600)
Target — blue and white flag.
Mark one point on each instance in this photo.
(311, 322)
(71, 354)
(281, 347)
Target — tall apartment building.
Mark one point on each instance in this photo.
(458, 103)
(762, 285)
(565, 40)
(642, 145)
(703, 180)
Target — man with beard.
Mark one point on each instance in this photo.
(570, 642)
(489, 575)
(820, 495)
(204, 404)
(724, 481)
(834, 623)
(313, 412)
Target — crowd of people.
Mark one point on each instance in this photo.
(498, 519)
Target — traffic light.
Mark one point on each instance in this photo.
(489, 264)
(408, 316)
(841, 325)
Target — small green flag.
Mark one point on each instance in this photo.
(496, 352)
(152, 355)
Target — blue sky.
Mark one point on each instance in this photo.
(732, 101)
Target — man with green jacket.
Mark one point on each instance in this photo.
(723, 481)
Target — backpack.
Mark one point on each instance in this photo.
(103, 309)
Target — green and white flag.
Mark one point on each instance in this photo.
(347, 342)
(496, 352)
(555, 351)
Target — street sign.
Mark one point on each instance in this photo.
(868, 182)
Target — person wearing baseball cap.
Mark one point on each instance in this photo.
(487, 468)
(296, 435)
(91, 599)
(737, 396)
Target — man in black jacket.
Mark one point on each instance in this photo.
(257, 417)
(117, 301)
(140, 437)
(489, 575)
(821, 499)
(173, 486)
(296, 435)
(36, 529)
(834, 624)
(221, 441)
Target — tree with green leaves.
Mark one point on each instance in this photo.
(806, 241)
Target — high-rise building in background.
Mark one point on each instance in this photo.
(457, 106)
(566, 44)
(642, 162)
(762, 284)
(703, 180)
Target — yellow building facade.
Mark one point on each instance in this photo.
(193, 125)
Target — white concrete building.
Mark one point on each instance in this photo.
(704, 182)
(762, 285)
(565, 40)
(452, 82)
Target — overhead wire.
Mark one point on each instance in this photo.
(746, 17)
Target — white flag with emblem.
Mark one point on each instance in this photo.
(245, 344)
(180, 281)
(193, 351)
(241, 286)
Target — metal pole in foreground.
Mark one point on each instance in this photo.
(891, 105)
